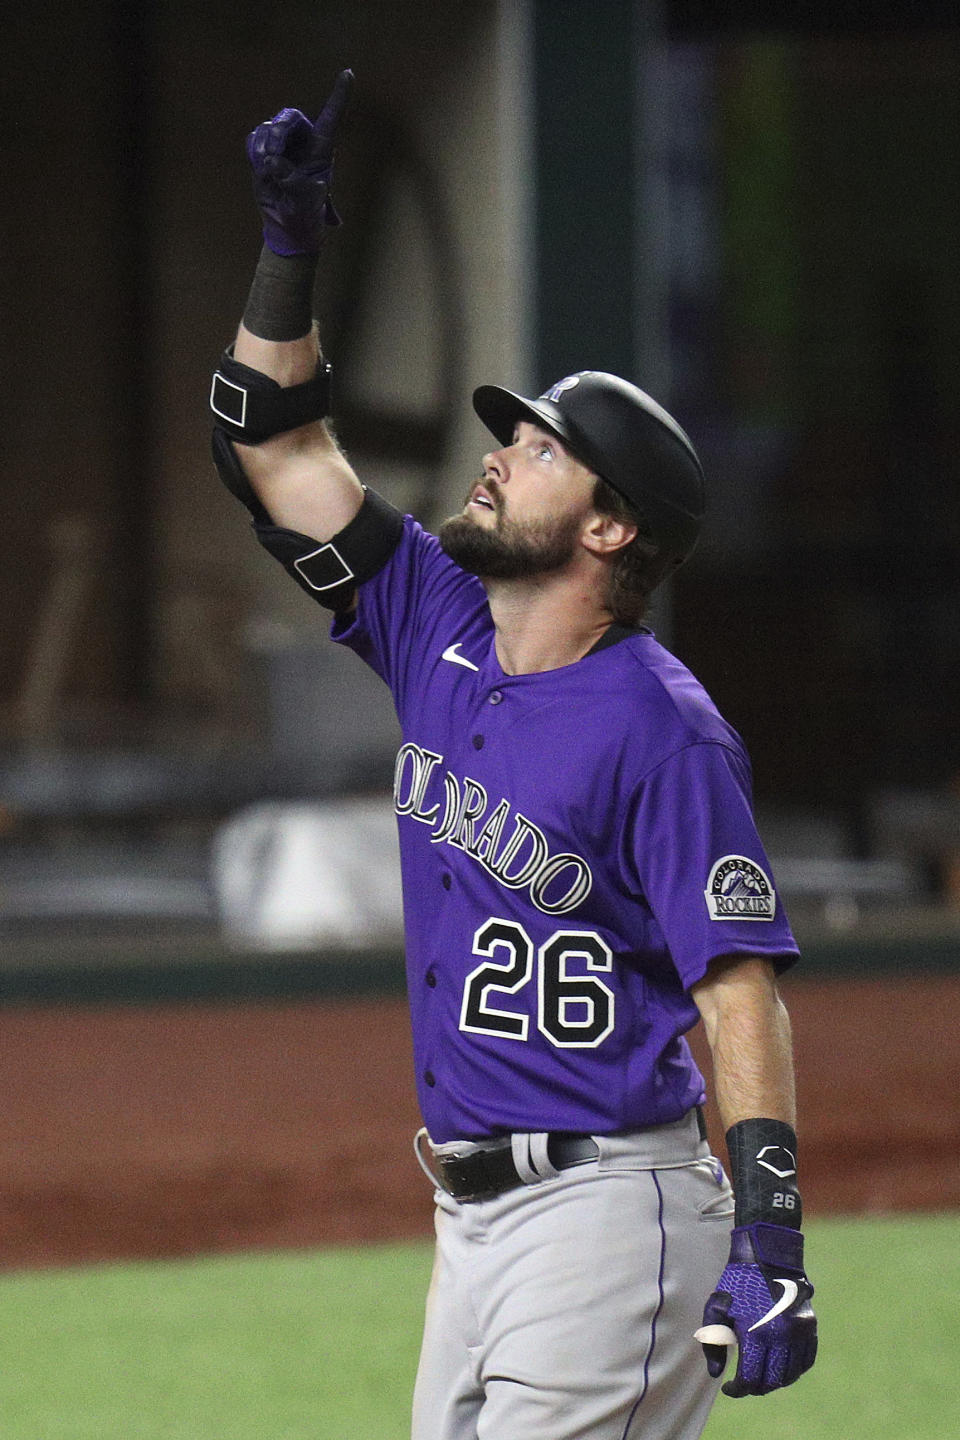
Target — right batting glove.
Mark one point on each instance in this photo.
(292, 162)
(761, 1304)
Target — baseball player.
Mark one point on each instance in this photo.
(582, 875)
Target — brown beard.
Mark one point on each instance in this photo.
(513, 550)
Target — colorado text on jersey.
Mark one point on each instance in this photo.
(520, 859)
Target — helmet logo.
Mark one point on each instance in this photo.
(557, 390)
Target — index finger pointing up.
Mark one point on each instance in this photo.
(329, 117)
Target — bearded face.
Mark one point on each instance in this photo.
(509, 549)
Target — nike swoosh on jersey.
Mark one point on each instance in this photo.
(451, 654)
(790, 1292)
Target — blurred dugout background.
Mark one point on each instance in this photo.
(755, 218)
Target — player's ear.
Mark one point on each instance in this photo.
(604, 534)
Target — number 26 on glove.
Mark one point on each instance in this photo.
(762, 1305)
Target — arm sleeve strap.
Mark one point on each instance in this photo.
(330, 572)
(251, 407)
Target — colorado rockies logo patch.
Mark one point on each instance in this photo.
(739, 890)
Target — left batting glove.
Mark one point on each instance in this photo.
(292, 163)
(762, 1305)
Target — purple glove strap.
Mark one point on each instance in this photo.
(775, 1245)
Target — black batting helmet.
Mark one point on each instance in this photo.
(624, 437)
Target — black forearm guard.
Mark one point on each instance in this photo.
(331, 572)
(763, 1165)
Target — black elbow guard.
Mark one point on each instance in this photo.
(250, 407)
(331, 572)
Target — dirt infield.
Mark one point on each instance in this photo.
(173, 1129)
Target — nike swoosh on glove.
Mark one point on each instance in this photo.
(761, 1304)
(292, 163)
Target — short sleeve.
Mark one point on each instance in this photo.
(698, 859)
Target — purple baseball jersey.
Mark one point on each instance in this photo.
(576, 845)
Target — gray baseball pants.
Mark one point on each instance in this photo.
(565, 1309)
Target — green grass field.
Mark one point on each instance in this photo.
(322, 1345)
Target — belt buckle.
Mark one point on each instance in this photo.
(458, 1183)
(452, 1172)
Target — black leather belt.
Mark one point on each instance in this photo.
(484, 1174)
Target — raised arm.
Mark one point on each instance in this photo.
(270, 393)
(301, 476)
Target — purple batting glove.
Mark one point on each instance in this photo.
(761, 1304)
(292, 163)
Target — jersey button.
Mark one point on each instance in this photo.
(446, 881)
(495, 697)
(430, 1078)
(431, 978)
(478, 742)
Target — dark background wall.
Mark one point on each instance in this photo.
(792, 250)
(130, 239)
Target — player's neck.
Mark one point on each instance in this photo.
(543, 624)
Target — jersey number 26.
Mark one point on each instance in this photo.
(573, 1011)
